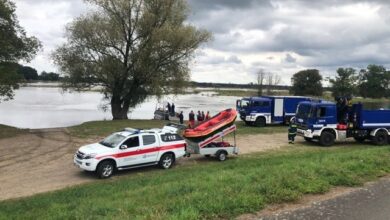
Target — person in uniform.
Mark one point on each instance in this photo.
(292, 131)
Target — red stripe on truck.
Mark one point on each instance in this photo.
(143, 151)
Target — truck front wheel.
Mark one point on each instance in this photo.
(380, 138)
(105, 169)
(260, 122)
(327, 139)
(166, 161)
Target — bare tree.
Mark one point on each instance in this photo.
(272, 80)
(260, 81)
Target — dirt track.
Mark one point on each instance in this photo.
(41, 160)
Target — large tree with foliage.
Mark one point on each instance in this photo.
(28, 73)
(345, 83)
(132, 48)
(307, 82)
(374, 82)
(15, 45)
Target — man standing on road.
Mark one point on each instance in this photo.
(292, 131)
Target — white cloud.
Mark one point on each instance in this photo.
(280, 36)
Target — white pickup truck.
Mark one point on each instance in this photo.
(131, 148)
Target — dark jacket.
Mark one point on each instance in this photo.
(191, 117)
(292, 129)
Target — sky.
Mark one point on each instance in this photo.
(277, 36)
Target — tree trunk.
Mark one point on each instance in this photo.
(119, 109)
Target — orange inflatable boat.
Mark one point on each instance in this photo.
(211, 126)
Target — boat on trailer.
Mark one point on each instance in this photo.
(212, 126)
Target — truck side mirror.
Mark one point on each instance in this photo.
(123, 147)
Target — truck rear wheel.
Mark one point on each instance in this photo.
(260, 122)
(327, 138)
(166, 161)
(380, 138)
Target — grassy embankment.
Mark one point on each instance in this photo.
(209, 190)
(8, 131)
(103, 128)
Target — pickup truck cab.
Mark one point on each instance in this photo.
(131, 148)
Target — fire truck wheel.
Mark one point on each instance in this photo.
(260, 122)
(380, 138)
(327, 139)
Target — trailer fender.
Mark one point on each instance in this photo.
(373, 132)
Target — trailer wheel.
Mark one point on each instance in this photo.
(360, 139)
(380, 138)
(327, 138)
(222, 155)
(260, 122)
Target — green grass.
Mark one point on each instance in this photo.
(103, 128)
(209, 190)
(7, 131)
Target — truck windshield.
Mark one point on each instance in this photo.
(245, 103)
(112, 140)
(305, 111)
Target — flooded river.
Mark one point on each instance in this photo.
(44, 107)
(48, 107)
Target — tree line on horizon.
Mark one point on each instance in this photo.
(28, 73)
(372, 82)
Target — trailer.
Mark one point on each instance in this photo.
(214, 145)
(263, 110)
(327, 122)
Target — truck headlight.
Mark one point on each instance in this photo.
(89, 156)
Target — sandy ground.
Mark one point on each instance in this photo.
(42, 160)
